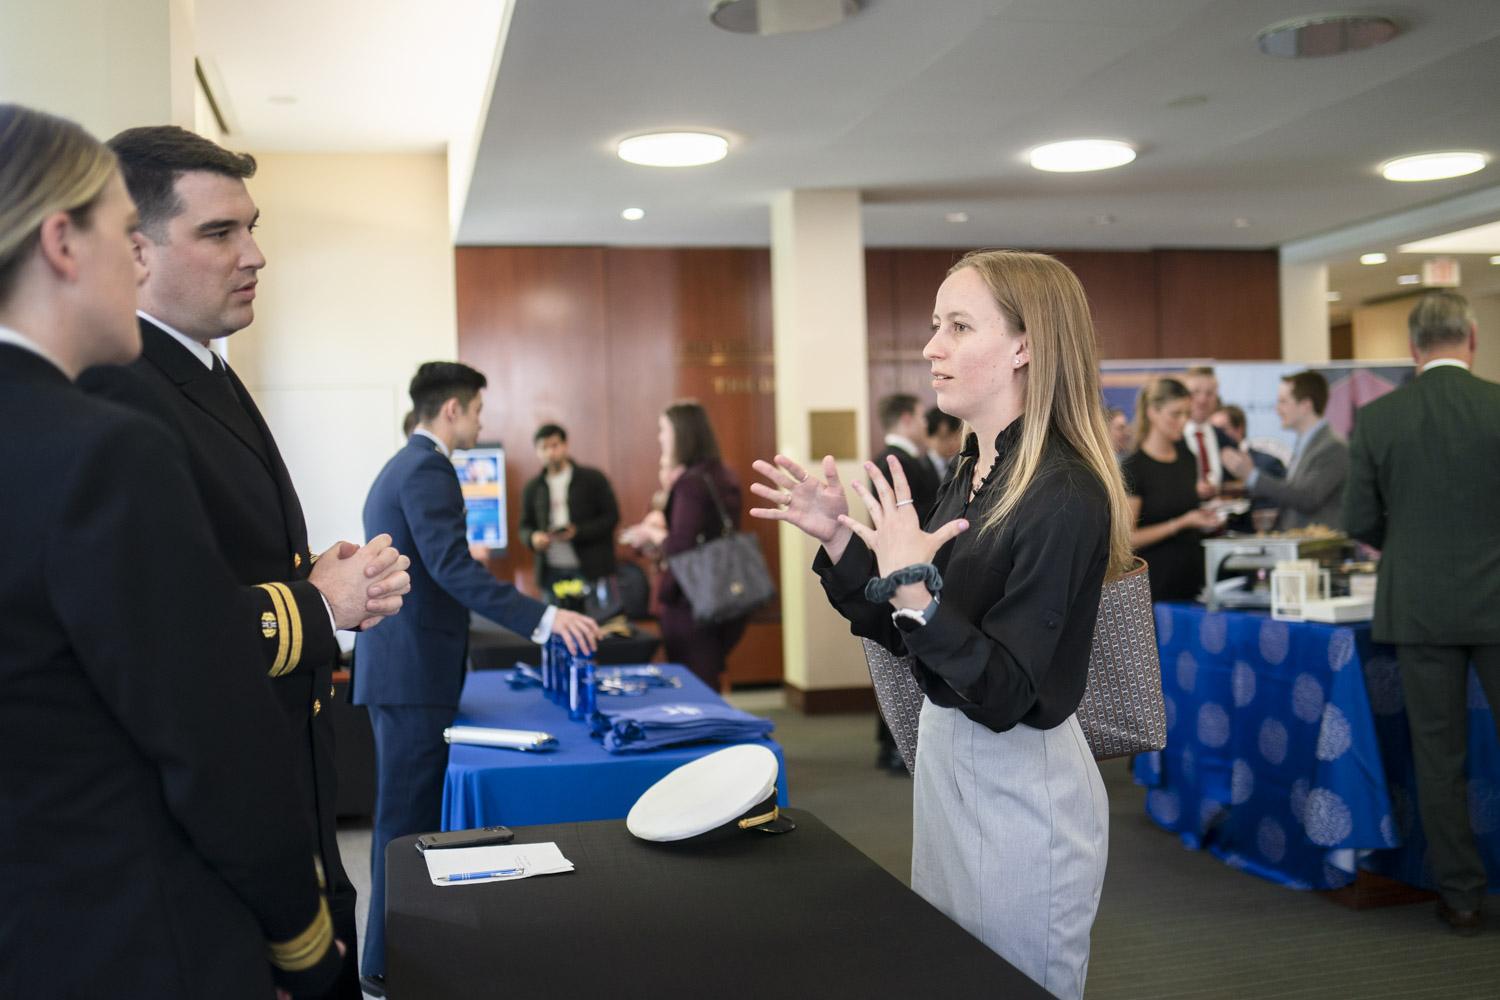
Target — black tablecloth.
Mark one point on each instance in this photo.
(803, 914)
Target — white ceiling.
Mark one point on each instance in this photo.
(929, 107)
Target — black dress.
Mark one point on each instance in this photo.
(1167, 490)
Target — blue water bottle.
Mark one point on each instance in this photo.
(557, 690)
(582, 698)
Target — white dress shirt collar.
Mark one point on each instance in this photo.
(19, 339)
(904, 443)
(1440, 362)
(435, 440)
(200, 352)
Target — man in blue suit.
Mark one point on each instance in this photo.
(410, 676)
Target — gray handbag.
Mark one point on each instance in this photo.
(1122, 711)
(725, 578)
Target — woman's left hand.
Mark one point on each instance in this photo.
(897, 538)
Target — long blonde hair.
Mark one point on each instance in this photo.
(1156, 393)
(1040, 297)
(47, 165)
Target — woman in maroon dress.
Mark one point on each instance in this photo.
(688, 443)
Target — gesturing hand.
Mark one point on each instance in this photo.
(897, 538)
(803, 501)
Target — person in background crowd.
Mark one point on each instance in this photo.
(905, 436)
(1202, 438)
(1010, 819)
(688, 444)
(1165, 488)
(1423, 483)
(410, 671)
(568, 516)
(945, 439)
(197, 245)
(153, 838)
(1312, 492)
(1230, 420)
(1121, 436)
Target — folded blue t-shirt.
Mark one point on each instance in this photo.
(649, 727)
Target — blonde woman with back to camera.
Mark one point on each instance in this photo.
(995, 597)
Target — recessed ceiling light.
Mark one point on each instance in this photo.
(1372, 258)
(957, 216)
(1242, 223)
(1077, 155)
(1495, 259)
(1335, 296)
(772, 17)
(633, 214)
(1433, 166)
(1326, 35)
(674, 149)
(1408, 279)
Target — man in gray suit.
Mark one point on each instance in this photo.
(1422, 486)
(1312, 491)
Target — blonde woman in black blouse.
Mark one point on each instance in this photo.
(1011, 821)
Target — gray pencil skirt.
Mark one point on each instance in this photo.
(1011, 835)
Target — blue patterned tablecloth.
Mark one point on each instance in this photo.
(1288, 751)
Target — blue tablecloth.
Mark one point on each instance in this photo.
(1288, 751)
(577, 782)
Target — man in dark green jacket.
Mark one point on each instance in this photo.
(1423, 482)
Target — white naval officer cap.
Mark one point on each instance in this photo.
(727, 791)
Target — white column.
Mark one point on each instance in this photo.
(107, 64)
(1304, 312)
(819, 324)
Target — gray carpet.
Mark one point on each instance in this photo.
(1173, 923)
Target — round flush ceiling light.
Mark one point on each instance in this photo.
(633, 214)
(1078, 155)
(1372, 258)
(674, 149)
(1433, 166)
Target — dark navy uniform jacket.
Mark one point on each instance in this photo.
(150, 844)
(258, 523)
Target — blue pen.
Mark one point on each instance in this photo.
(467, 876)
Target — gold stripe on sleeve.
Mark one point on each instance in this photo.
(282, 642)
(294, 623)
(306, 949)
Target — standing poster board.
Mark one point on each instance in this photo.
(481, 477)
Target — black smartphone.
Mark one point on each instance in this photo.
(466, 838)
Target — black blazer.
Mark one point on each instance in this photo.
(593, 511)
(257, 521)
(150, 844)
(1423, 483)
(1010, 640)
(920, 476)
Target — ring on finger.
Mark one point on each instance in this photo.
(903, 503)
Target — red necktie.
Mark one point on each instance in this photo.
(1203, 467)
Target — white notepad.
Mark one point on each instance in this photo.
(494, 863)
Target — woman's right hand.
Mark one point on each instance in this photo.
(804, 501)
(1202, 519)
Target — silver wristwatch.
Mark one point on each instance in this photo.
(911, 619)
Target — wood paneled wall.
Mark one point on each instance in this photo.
(601, 339)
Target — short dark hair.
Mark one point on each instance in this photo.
(892, 408)
(1235, 416)
(692, 434)
(1309, 385)
(154, 156)
(547, 431)
(940, 422)
(436, 382)
(1439, 319)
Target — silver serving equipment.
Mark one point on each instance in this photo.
(1253, 557)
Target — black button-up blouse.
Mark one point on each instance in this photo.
(1011, 637)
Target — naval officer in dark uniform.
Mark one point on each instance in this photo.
(197, 246)
(150, 842)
